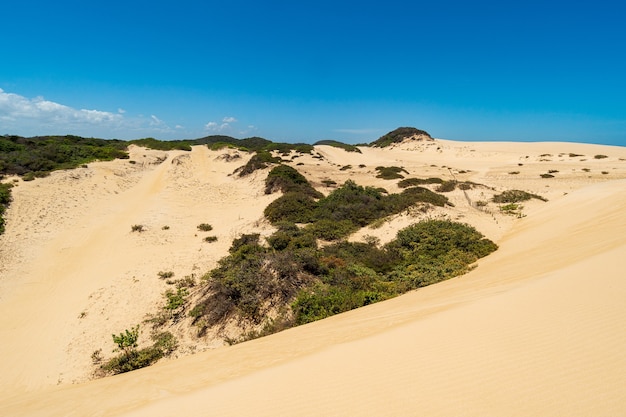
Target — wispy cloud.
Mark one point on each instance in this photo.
(224, 127)
(15, 109)
(24, 116)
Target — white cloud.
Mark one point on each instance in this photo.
(155, 121)
(224, 127)
(38, 116)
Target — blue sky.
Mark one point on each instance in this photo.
(306, 71)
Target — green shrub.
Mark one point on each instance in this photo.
(175, 300)
(137, 228)
(515, 196)
(5, 201)
(390, 173)
(205, 227)
(287, 179)
(413, 195)
(327, 229)
(210, 239)
(260, 160)
(165, 274)
(131, 358)
(397, 136)
(410, 182)
(447, 186)
(334, 143)
(547, 176)
(600, 156)
(293, 207)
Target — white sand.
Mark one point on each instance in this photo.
(536, 329)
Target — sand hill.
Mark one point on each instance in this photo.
(535, 329)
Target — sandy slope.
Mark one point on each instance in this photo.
(537, 329)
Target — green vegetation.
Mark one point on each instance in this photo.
(260, 160)
(137, 228)
(163, 145)
(131, 358)
(515, 196)
(411, 182)
(165, 274)
(346, 209)
(288, 180)
(205, 227)
(397, 136)
(512, 209)
(289, 280)
(547, 176)
(40, 155)
(5, 200)
(302, 282)
(447, 186)
(210, 239)
(336, 144)
(390, 173)
(600, 156)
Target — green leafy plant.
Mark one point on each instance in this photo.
(205, 227)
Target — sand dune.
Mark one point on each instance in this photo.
(536, 329)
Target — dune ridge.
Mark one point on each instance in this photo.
(534, 330)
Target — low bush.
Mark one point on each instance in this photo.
(397, 136)
(411, 182)
(600, 156)
(205, 227)
(515, 196)
(165, 274)
(260, 160)
(447, 186)
(390, 173)
(295, 207)
(288, 180)
(137, 228)
(5, 201)
(210, 239)
(334, 143)
(131, 358)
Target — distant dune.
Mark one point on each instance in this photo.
(537, 329)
